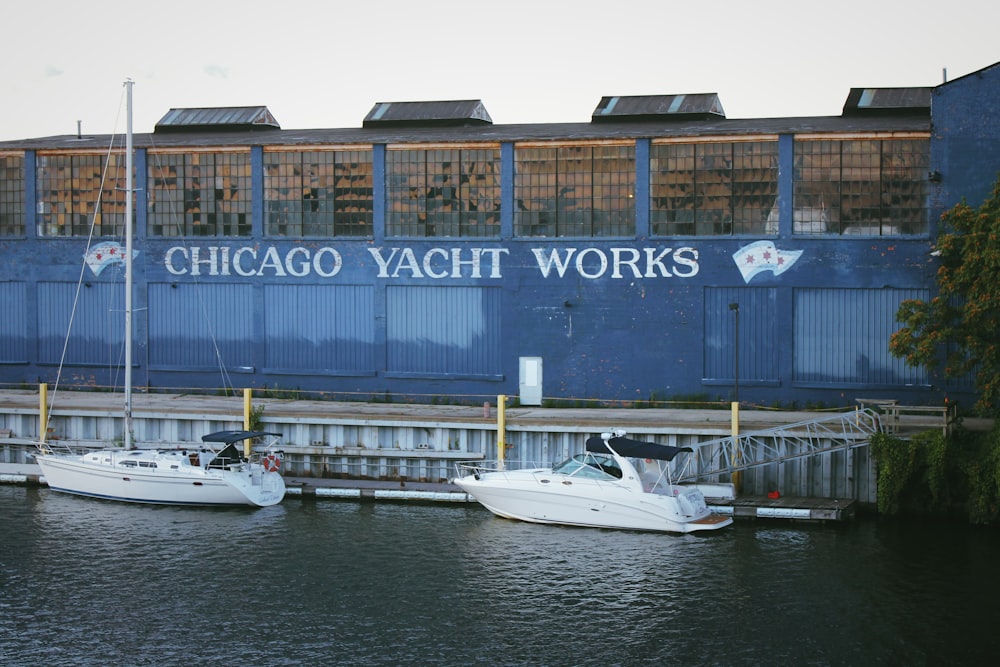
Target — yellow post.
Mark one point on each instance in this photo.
(247, 410)
(43, 412)
(737, 475)
(501, 429)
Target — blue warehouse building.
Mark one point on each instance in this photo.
(661, 250)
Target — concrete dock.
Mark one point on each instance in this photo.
(714, 417)
(21, 408)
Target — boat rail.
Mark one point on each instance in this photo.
(463, 468)
(67, 447)
(81, 447)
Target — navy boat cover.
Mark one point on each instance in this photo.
(234, 436)
(635, 448)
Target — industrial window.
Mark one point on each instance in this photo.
(11, 195)
(582, 191)
(713, 189)
(75, 190)
(443, 192)
(318, 193)
(199, 194)
(874, 187)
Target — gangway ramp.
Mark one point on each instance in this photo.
(764, 453)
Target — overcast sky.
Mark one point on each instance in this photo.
(325, 63)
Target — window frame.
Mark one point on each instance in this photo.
(78, 190)
(844, 196)
(341, 201)
(731, 190)
(461, 200)
(207, 205)
(573, 197)
(12, 193)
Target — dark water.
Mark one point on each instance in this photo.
(89, 582)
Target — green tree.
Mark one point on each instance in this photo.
(960, 325)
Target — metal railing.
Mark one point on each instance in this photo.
(841, 431)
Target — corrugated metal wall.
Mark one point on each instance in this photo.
(841, 336)
(443, 330)
(14, 324)
(320, 327)
(97, 335)
(187, 322)
(758, 318)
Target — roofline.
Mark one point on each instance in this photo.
(627, 130)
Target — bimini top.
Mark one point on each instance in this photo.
(635, 448)
(234, 436)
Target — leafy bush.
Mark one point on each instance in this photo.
(934, 474)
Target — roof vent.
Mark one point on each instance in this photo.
(888, 101)
(701, 106)
(217, 119)
(427, 114)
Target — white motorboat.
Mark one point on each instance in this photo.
(616, 483)
(215, 474)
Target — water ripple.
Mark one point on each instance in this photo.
(88, 582)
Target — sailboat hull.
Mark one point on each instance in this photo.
(250, 485)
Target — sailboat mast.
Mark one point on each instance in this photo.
(128, 267)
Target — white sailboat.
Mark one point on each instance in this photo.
(215, 472)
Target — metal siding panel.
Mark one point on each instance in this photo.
(97, 334)
(443, 330)
(14, 324)
(888, 368)
(320, 327)
(719, 331)
(812, 357)
(842, 336)
(758, 317)
(201, 326)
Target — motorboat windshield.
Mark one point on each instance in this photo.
(590, 466)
